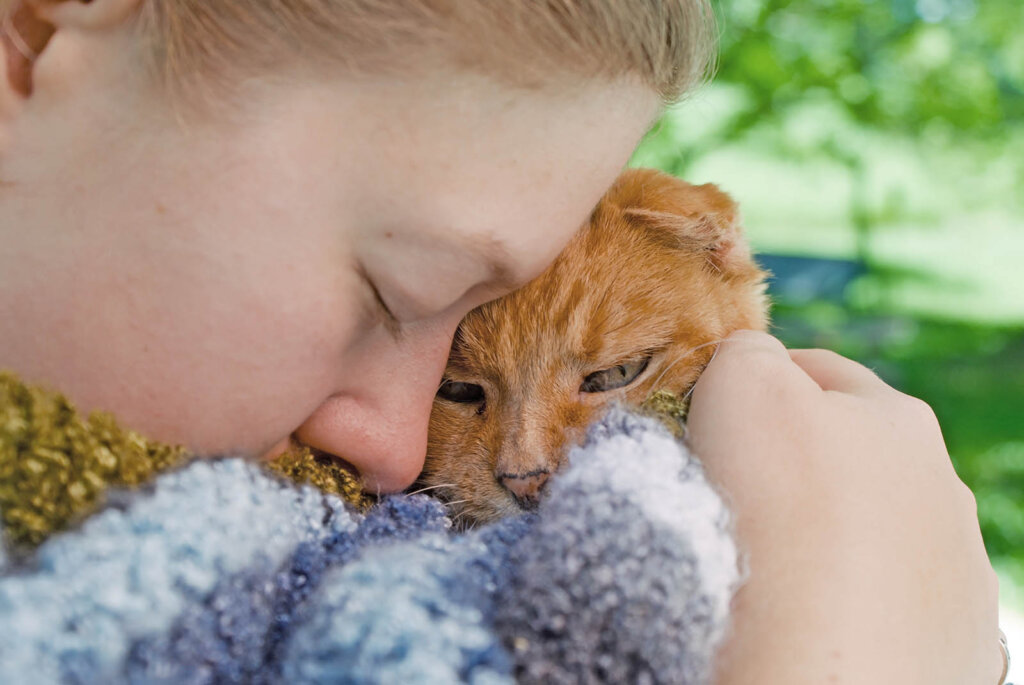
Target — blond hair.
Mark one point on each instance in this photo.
(667, 44)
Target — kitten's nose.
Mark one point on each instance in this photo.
(526, 487)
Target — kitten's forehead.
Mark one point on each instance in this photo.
(658, 276)
(612, 291)
(660, 262)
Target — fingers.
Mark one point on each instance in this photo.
(754, 340)
(754, 361)
(750, 373)
(826, 369)
(837, 373)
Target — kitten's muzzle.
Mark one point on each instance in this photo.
(525, 487)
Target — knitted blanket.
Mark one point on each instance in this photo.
(221, 573)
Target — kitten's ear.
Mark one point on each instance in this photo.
(683, 216)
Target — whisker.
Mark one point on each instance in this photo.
(431, 487)
(683, 356)
(457, 520)
(715, 354)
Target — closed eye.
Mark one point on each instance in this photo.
(618, 376)
(463, 393)
(391, 323)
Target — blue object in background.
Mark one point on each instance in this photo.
(799, 280)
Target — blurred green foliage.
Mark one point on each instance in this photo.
(940, 69)
(903, 65)
(889, 132)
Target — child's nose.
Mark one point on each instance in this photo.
(385, 443)
(378, 424)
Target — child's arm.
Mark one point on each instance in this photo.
(866, 561)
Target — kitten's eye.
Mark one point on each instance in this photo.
(615, 377)
(465, 393)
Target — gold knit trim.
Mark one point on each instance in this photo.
(303, 465)
(55, 465)
(671, 409)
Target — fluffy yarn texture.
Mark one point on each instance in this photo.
(221, 573)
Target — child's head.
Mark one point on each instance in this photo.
(663, 44)
(215, 276)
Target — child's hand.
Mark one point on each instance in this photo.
(866, 561)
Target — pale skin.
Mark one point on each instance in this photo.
(212, 284)
(867, 565)
(209, 282)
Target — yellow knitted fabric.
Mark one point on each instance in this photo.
(303, 465)
(55, 465)
(670, 409)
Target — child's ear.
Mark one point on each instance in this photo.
(27, 29)
(23, 35)
(85, 14)
(683, 216)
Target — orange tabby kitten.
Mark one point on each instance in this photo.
(632, 306)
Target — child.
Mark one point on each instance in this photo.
(232, 222)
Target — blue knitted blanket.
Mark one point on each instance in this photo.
(218, 573)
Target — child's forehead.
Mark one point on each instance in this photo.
(470, 171)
